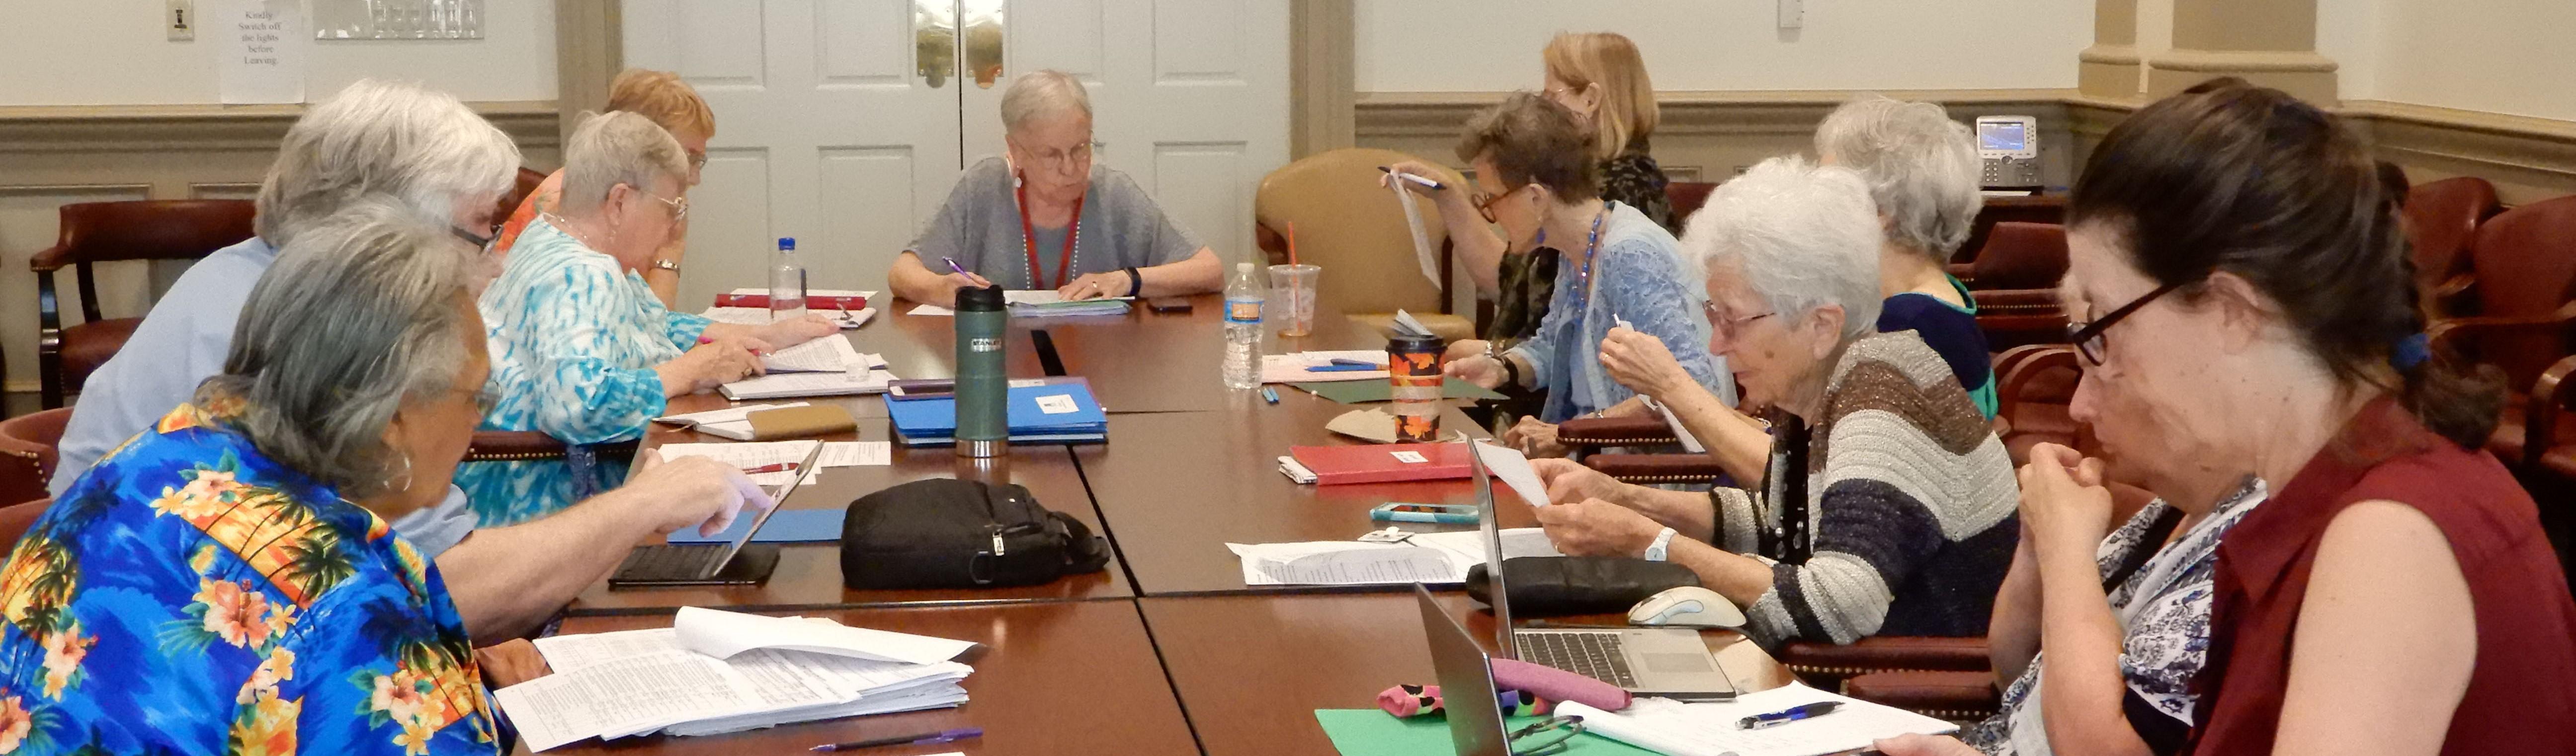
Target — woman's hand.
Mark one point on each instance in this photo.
(1414, 168)
(2064, 504)
(1592, 527)
(1479, 369)
(1640, 362)
(793, 331)
(509, 663)
(691, 491)
(954, 280)
(1534, 438)
(711, 364)
(1924, 745)
(1096, 285)
(1568, 480)
(1463, 349)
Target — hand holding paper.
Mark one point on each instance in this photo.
(1514, 470)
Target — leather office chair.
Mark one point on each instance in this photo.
(2017, 256)
(2013, 318)
(2047, 209)
(512, 446)
(526, 185)
(1687, 197)
(1347, 224)
(28, 452)
(2442, 218)
(2524, 291)
(2033, 387)
(15, 519)
(96, 232)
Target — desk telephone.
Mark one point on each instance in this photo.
(2009, 148)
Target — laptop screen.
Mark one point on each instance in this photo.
(779, 501)
(1486, 519)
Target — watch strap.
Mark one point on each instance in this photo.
(1662, 547)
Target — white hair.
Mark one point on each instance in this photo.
(1921, 166)
(618, 148)
(1041, 95)
(1801, 236)
(420, 146)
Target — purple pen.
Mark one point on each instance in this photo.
(927, 738)
(952, 264)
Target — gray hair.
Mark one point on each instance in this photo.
(618, 148)
(1802, 236)
(362, 311)
(420, 146)
(1921, 166)
(1043, 94)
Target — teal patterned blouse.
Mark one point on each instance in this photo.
(190, 596)
(574, 339)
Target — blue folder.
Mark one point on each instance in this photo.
(788, 526)
(937, 417)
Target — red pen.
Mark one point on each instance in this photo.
(770, 468)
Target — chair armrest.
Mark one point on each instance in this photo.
(1965, 272)
(490, 445)
(2456, 295)
(1882, 653)
(1614, 431)
(2444, 333)
(2540, 415)
(1273, 245)
(2016, 378)
(51, 259)
(1955, 696)
(1656, 468)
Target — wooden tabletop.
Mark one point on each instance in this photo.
(1254, 668)
(809, 575)
(1176, 487)
(1071, 677)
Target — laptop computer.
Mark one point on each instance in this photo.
(736, 563)
(1466, 678)
(1659, 661)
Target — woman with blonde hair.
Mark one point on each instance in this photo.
(670, 103)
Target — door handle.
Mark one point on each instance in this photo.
(934, 40)
(983, 29)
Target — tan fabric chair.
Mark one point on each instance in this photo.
(1350, 226)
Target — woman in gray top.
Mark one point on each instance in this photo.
(1047, 218)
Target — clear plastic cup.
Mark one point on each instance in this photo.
(1292, 298)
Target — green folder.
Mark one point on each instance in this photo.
(1372, 732)
(1363, 392)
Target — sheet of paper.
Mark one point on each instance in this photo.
(748, 455)
(1421, 240)
(1507, 465)
(933, 311)
(1689, 442)
(565, 653)
(1050, 297)
(1292, 367)
(857, 453)
(764, 291)
(722, 634)
(633, 694)
(730, 422)
(1404, 321)
(1467, 547)
(1708, 729)
(260, 48)
(781, 385)
(1346, 563)
(829, 354)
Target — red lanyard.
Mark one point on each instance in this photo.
(1029, 238)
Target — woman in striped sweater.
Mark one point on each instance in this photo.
(1888, 504)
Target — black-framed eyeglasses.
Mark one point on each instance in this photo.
(480, 241)
(2087, 337)
(1545, 737)
(1485, 202)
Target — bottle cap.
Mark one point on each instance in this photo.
(1243, 268)
(979, 299)
(787, 243)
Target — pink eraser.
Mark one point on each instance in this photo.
(1559, 685)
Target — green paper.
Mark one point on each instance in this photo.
(1363, 392)
(1372, 732)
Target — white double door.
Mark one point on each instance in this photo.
(844, 123)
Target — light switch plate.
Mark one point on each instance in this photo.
(1793, 14)
(181, 20)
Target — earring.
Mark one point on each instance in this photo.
(390, 485)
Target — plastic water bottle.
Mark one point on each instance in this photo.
(786, 282)
(1243, 299)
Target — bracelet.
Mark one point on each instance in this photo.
(1662, 547)
(1511, 372)
(1135, 282)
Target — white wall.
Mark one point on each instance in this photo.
(114, 52)
(1491, 45)
(2501, 56)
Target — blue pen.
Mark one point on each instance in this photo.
(927, 738)
(1785, 716)
(1360, 368)
(1270, 395)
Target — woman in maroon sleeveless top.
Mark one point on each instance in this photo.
(2249, 311)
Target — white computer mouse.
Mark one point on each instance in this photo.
(1687, 606)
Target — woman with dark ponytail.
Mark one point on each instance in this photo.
(2251, 320)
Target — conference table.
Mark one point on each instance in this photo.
(1166, 650)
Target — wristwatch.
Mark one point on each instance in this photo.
(1662, 547)
(667, 265)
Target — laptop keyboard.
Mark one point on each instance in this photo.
(1600, 656)
(693, 562)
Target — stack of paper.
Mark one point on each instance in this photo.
(730, 422)
(1042, 303)
(1431, 558)
(846, 319)
(748, 456)
(1299, 367)
(831, 354)
(854, 379)
(1045, 410)
(714, 672)
(1709, 729)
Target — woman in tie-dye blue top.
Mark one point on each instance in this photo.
(581, 349)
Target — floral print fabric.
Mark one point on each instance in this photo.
(190, 596)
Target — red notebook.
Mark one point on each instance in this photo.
(1383, 463)
(811, 302)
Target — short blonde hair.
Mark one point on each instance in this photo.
(1627, 114)
(1043, 94)
(663, 97)
(618, 148)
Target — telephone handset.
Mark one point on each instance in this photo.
(2009, 148)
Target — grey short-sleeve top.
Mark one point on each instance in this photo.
(979, 226)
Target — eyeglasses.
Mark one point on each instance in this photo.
(1079, 155)
(1726, 326)
(480, 241)
(1485, 202)
(679, 205)
(485, 399)
(697, 160)
(2088, 338)
(1545, 737)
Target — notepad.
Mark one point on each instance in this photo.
(1708, 729)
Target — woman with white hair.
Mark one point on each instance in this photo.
(1922, 171)
(226, 581)
(1888, 504)
(581, 348)
(1047, 217)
